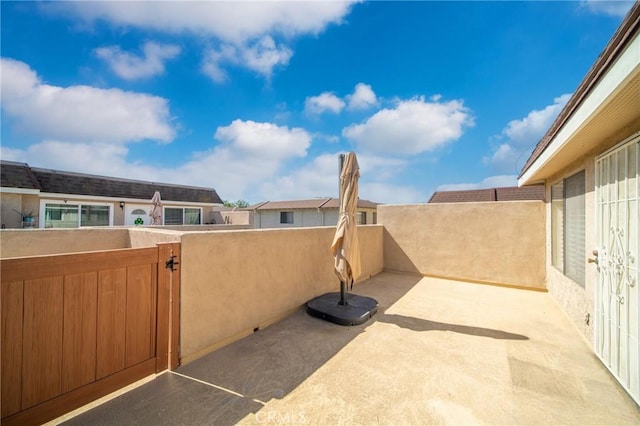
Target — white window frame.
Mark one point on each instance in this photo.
(183, 215)
(80, 204)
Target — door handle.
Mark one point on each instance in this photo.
(595, 258)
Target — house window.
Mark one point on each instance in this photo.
(182, 216)
(361, 218)
(76, 215)
(286, 217)
(568, 227)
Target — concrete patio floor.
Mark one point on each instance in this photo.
(437, 352)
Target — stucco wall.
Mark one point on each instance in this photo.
(12, 204)
(33, 242)
(499, 242)
(9, 204)
(575, 300)
(233, 282)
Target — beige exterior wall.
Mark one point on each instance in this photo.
(267, 219)
(499, 242)
(576, 301)
(34, 242)
(234, 282)
(9, 204)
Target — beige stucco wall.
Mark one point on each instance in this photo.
(11, 202)
(33, 242)
(235, 281)
(575, 300)
(499, 242)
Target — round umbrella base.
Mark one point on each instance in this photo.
(356, 311)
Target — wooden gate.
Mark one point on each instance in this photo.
(76, 327)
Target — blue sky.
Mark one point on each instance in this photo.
(258, 99)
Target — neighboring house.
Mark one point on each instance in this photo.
(588, 161)
(511, 193)
(303, 213)
(42, 198)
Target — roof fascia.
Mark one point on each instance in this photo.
(60, 196)
(23, 191)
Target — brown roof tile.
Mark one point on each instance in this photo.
(533, 192)
(512, 193)
(20, 175)
(17, 175)
(466, 196)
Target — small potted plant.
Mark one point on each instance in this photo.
(27, 218)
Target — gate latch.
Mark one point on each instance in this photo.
(169, 264)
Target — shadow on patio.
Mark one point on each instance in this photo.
(438, 351)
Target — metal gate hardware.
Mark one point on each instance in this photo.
(169, 264)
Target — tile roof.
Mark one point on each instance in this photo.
(512, 193)
(61, 182)
(17, 175)
(620, 39)
(315, 203)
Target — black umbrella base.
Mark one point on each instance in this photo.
(357, 310)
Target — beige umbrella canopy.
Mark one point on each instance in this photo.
(342, 308)
(345, 247)
(156, 209)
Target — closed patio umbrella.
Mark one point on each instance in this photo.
(156, 209)
(345, 247)
(342, 308)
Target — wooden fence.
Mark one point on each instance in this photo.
(76, 327)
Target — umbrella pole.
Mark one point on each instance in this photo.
(343, 285)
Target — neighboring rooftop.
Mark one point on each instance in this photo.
(21, 175)
(510, 193)
(315, 203)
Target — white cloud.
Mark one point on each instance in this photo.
(248, 154)
(319, 178)
(412, 127)
(262, 57)
(248, 27)
(316, 178)
(607, 7)
(264, 140)
(363, 97)
(498, 181)
(326, 101)
(520, 136)
(80, 113)
(131, 67)
(230, 21)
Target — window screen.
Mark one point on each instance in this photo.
(568, 227)
(574, 212)
(286, 217)
(172, 216)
